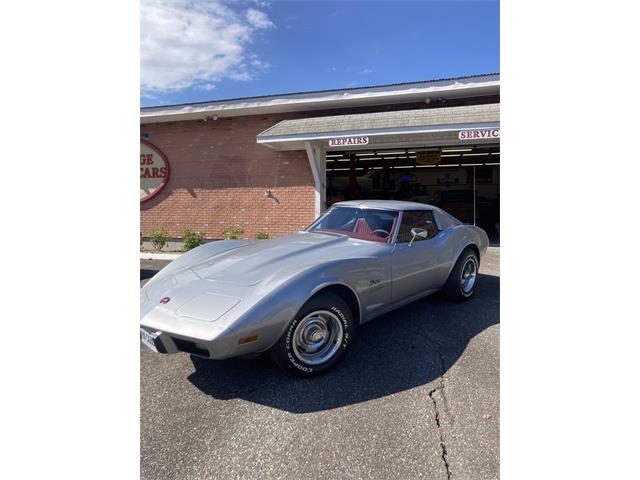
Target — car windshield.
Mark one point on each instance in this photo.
(360, 223)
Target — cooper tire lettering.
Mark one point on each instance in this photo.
(283, 351)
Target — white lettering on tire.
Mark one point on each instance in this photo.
(292, 327)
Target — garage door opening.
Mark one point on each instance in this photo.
(463, 180)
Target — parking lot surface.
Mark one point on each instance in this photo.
(416, 397)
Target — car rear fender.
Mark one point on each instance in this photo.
(468, 236)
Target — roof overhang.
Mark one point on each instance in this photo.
(426, 127)
(387, 138)
(353, 97)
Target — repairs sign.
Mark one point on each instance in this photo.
(348, 141)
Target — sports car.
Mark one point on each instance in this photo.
(302, 297)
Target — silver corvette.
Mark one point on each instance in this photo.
(302, 296)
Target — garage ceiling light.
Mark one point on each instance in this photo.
(458, 150)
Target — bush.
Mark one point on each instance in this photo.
(158, 239)
(192, 240)
(232, 233)
(262, 236)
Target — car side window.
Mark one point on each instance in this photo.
(416, 219)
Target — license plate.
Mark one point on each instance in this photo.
(148, 339)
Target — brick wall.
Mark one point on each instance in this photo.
(218, 177)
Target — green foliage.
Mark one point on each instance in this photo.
(158, 239)
(262, 236)
(232, 233)
(192, 240)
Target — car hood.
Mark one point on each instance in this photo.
(251, 264)
(232, 280)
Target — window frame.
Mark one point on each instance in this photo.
(401, 218)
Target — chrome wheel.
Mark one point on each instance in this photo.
(468, 277)
(317, 337)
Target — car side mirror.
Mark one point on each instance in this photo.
(418, 232)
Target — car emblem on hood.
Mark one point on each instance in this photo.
(164, 300)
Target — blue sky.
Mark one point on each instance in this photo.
(198, 50)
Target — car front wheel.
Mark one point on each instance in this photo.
(317, 338)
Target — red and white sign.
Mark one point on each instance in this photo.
(479, 134)
(154, 170)
(348, 141)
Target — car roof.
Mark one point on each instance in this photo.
(385, 204)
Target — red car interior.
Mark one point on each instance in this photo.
(365, 225)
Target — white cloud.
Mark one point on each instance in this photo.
(185, 43)
(258, 19)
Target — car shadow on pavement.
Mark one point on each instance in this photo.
(147, 273)
(407, 348)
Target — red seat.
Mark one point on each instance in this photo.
(362, 226)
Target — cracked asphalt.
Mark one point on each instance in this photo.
(416, 397)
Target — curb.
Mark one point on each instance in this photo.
(158, 256)
(173, 256)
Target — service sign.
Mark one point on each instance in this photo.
(348, 141)
(479, 134)
(154, 170)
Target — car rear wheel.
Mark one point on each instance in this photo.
(317, 338)
(463, 278)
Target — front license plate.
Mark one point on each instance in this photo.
(148, 339)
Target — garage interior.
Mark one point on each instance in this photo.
(463, 180)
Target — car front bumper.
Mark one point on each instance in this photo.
(228, 345)
(164, 342)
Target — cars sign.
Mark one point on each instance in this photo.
(154, 170)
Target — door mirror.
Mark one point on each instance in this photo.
(418, 232)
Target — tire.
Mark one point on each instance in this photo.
(317, 338)
(463, 278)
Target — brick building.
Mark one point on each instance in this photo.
(272, 164)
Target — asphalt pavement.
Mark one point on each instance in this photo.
(417, 396)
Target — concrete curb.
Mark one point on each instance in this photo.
(173, 256)
(158, 256)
